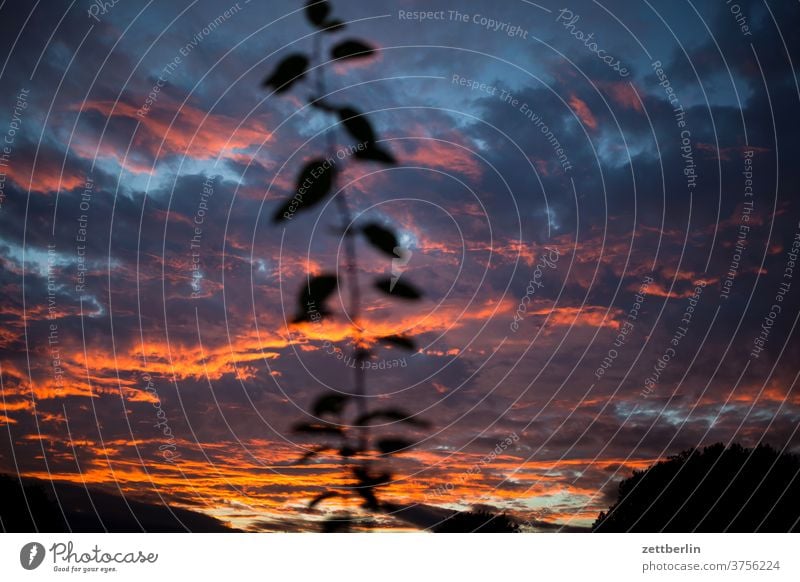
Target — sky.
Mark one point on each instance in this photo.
(598, 201)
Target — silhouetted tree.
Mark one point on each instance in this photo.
(711, 490)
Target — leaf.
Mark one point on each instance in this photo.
(369, 479)
(330, 404)
(316, 428)
(374, 153)
(389, 446)
(356, 124)
(369, 497)
(403, 290)
(311, 302)
(360, 128)
(348, 451)
(333, 25)
(367, 483)
(401, 341)
(317, 11)
(290, 70)
(308, 455)
(320, 287)
(351, 49)
(381, 238)
(314, 183)
(322, 497)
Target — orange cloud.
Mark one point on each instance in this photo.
(621, 93)
(430, 153)
(589, 315)
(778, 391)
(376, 324)
(193, 133)
(185, 361)
(728, 153)
(47, 175)
(583, 112)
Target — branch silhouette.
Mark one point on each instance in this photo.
(353, 443)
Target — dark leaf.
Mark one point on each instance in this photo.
(315, 182)
(391, 445)
(357, 125)
(360, 128)
(351, 49)
(333, 25)
(308, 455)
(330, 404)
(320, 287)
(369, 497)
(322, 497)
(290, 70)
(398, 289)
(312, 299)
(367, 482)
(316, 428)
(369, 479)
(374, 153)
(401, 341)
(317, 11)
(389, 414)
(311, 317)
(381, 238)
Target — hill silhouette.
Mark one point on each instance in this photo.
(477, 522)
(436, 519)
(30, 505)
(715, 489)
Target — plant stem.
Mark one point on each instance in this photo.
(351, 263)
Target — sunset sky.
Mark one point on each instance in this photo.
(636, 213)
